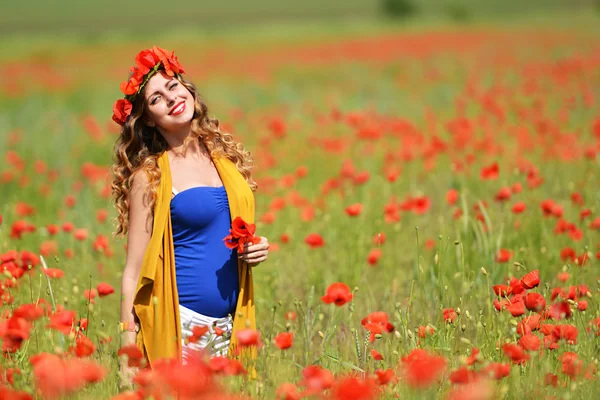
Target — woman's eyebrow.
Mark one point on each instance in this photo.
(166, 84)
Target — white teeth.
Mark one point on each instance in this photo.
(178, 109)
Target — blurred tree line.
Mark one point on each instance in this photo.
(465, 10)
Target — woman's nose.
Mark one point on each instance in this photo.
(171, 98)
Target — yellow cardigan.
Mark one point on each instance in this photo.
(156, 302)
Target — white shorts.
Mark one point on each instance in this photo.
(216, 345)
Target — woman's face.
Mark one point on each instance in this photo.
(169, 104)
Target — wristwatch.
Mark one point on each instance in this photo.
(129, 326)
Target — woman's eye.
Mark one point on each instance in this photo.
(173, 85)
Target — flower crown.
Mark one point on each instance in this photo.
(147, 62)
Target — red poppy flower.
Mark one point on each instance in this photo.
(518, 207)
(423, 331)
(240, 228)
(502, 290)
(490, 172)
(62, 321)
(354, 209)
(354, 388)
(226, 366)
(421, 369)
(284, 340)
(474, 357)
(571, 364)
(421, 204)
(566, 332)
(568, 253)
(53, 272)
(146, 60)
(560, 310)
(30, 312)
(452, 196)
(503, 256)
(462, 376)
(287, 391)
(385, 377)
(531, 280)
(218, 331)
(338, 293)
(516, 309)
(83, 346)
(377, 322)
(449, 315)
(376, 355)
(132, 85)
(56, 377)
(535, 302)
(314, 240)
(290, 316)
(316, 379)
(551, 379)
(248, 337)
(197, 332)
(503, 194)
(374, 256)
(169, 61)
(133, 353)
(496, 371)
(530, 342)
(241, 233)
(14, 331)
(104, 289)
(515, 352)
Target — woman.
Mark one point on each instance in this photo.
(178, 183)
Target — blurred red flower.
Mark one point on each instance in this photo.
(421, 369)
(449, 315)
(314, 240)
(515, 352)
(287, 391)
(104, 289)
(316, 379)
(354, 209)
(354, 388)
(338, 293)
(503, 256)
(248, 337)
(284, 340)
(535, 302)
(133, 353)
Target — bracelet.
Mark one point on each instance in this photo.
(129, 326)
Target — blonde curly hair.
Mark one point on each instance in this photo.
(139, 146)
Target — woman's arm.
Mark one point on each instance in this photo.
(140, 231)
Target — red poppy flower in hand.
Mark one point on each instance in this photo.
(241, 233)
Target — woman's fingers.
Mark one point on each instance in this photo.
(252, 248)
(254, 256)
(255, 253)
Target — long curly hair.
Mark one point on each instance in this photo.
(139, 146)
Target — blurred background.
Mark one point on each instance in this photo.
(137, 17)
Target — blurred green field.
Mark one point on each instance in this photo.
(328, 84)
(152, 15)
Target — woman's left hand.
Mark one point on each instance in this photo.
(254, 254)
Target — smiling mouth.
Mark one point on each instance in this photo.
(178, 109)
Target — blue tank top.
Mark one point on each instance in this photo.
(206, 270)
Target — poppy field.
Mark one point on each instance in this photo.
(431, 198)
